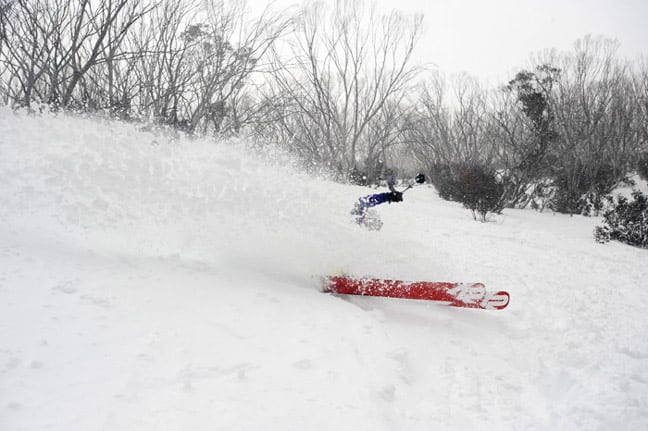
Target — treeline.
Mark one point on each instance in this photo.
(186, 63)
(338, 87)
(562, 133)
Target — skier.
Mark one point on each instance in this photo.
(364, 203)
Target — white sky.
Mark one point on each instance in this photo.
(493, 39)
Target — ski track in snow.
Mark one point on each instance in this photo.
(150, 281)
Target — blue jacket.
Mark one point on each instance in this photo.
(380, 198)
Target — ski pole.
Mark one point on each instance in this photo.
(420, 179)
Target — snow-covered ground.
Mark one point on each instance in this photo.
(158, 283)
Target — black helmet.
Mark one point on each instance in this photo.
(420, 178)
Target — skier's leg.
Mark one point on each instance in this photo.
(359, 210)
(364, 203)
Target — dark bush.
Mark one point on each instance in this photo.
(474, 185)
(626, 221)
(582, 189)
(440, 176)
(642, 165)
(566, 201)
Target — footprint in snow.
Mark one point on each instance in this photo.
(66, 287)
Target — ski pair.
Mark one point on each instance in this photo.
(467, 295)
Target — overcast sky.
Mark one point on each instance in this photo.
(492, 39)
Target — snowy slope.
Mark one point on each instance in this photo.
(151, 282)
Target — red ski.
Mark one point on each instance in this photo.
(469, 295)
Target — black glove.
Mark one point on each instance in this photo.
(420, 178)
(395, 197)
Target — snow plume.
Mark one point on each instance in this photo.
(148, 193)
(152, 281)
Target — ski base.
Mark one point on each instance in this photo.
(467, 295)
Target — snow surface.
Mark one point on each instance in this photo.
(152, 282)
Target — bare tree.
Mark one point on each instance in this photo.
(451, 125)
(26, 47)
(97, 30)
(428, 129)
(384, 152)
(523, 130)
(348, 66)
(52, 44)
(640, 84)
(147, 74)
(594, 111)
(470, 123)
(5, 7)
(223, 53)
(185, 63)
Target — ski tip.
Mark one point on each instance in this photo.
(497, 301)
